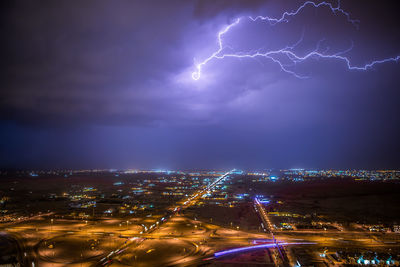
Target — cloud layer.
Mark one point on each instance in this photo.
(127, 66)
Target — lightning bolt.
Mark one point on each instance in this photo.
(288, 51)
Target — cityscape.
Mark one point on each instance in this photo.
(200, 218)
(211, 133)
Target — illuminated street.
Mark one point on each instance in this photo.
(177, 237)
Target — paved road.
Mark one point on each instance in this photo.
(14, 244)
(185, 203)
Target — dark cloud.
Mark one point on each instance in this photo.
(88, 60)
(115, 79)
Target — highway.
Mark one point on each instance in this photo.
(266, 223)
(185, 203)
(15, 245)
(18, 243)
(174, 239)
(267, 226)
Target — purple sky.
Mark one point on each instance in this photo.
(98, 85)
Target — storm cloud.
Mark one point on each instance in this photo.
(114, 79)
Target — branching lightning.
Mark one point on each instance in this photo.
(288, 51)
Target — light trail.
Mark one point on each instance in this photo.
(287, 52)
(244, 249)
(264, 217)
(147, 230)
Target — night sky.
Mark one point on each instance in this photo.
(108, 84)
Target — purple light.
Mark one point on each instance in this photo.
(230, 251)
(243, 249)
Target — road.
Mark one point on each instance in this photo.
(281, 258)
(185, 203)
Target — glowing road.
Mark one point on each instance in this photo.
(249, 248)
(191, 200)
